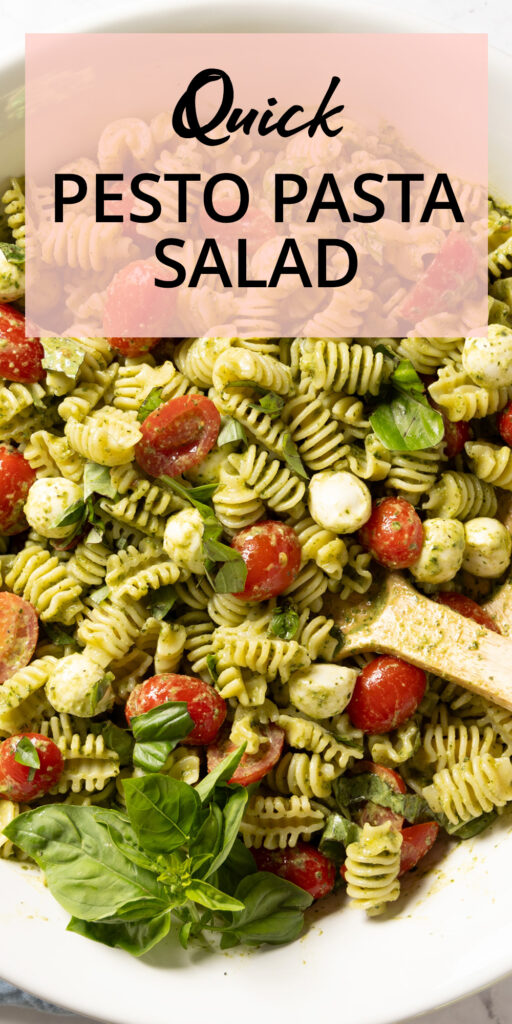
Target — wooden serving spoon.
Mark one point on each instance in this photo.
(393, 618)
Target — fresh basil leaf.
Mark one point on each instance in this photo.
(208, 896)
(292, 457)
(185, 934)
(135, 937)
(162, 600)
(232, 814)
(74, 514)
(338, 833)
(231, 577)
(231, 432)
(385, 351)
(407, 422)
(26, 754)
(124, 837)
(95, 536)
(116, 739)
(203, 492)
(284, 623)
(469, 828)
(189, 494)
(211, 664)
(13, 253)
(270, 404)
(151, 402)
(238, 865)
(58, 636)
(208, 841)
(152, 755)
(273, 910)
(99, 690)
(62, 355)
(366, 786)
(164, 812)
(221, 774)
(85, 871)
(99, 595)
(169, 721)
(252, 384)
(97, 481)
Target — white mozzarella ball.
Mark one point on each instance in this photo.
(339, 501)
(488, 547)
(488, 361)
(47, 501)
(183, 539)
(208, 470)
(78, 686)
(322, 690)
(12, 280)
(442, 551)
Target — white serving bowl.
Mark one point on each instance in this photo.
(450, 933)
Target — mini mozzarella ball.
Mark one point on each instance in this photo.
(339, 501)
(12, 280)
(488, 361)
(183, 540)
(488, 547)
(78, 686)
(321, 691)
(442, 552)
(47, 501)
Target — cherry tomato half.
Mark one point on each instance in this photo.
(205, 707)
(417, 840)
(387, 693)
(272, 554)
(505, 423)
(178, 436)
(19, 628)
(393, 533)
(133, 346)
(135, 306)
(444, 281)
(252, 767)
(467, 607)
(255, 226)
(303, 865)
(372, 813)
(18, 782)
(16, 479)
(21, 358)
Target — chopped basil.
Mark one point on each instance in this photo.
(100, 594)
(99, 690)
(292, 457)
(151, 402)
(360, 788)
(407, 422)
(284, 623)
(27, 755)
(162, 600)
(337, 634)
(97, 481)
(338, 833)
(76, 513)
(231, 432)
(58, 636)
(271, 404)
(211, 664)
(62, 355)
(13, 253)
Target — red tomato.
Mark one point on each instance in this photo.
(303, 865)
(372, 813)
(178, 435)
(133, 346)
(272, 554)
(505, 423)
(15, 781)
(393, 533)
(455, 434)
(21, 358)
(16, 479)
(417, 840)
(467, 607)
(205, 707)
(252, 767)
(19, 628)
(387, 693)
(256, 227)
(444, 281)
(135, 306)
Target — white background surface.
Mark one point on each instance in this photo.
(491, 16)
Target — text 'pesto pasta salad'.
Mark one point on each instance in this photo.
(180, 745)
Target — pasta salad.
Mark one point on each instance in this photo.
(180, 744)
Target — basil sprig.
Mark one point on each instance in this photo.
(407, 422)
(172, 858)
(157, 732)
(225, 567)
